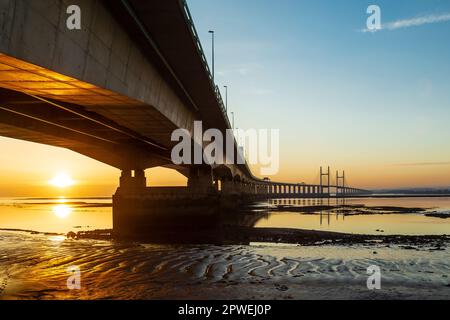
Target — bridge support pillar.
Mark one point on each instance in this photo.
(229, 187)
(201, 180)
(133, 180)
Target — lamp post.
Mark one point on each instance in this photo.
(232, 117)
(213, 53)
(226, 98)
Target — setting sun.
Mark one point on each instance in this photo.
(62, 180)
(62, 211)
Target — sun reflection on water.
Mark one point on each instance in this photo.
(62, 211)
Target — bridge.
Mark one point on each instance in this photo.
(115, 91)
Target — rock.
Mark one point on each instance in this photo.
(71, 235)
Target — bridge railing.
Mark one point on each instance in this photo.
(222, 106)
(204, 60)
(216, 89)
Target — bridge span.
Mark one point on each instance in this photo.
(115, 91)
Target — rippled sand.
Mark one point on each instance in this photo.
(35, 267)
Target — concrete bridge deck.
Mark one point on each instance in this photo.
(116, 90)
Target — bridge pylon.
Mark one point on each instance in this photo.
(327, 185)
(338, 187)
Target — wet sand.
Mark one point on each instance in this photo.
(245, 235)
(35, 267)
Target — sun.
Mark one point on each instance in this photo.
(62, 211)
(62, 180)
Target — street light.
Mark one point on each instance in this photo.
(226, 98)
(212, 40)
(232, 116)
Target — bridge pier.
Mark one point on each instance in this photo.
(201, 180)
(133, 180)
(167, 213)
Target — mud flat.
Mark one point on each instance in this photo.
(244, 235)
(35, 267)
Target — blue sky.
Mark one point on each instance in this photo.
(340, 96)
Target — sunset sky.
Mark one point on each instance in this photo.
(374, 104)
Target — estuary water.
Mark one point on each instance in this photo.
(362, 215)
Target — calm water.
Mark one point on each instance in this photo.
(407, 223)
(64, 215)
(56, 215)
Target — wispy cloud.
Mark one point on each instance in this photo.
(421, 164)
(413, 22)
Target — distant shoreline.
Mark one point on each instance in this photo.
(59, 198)
(412, 195)
(380, 195)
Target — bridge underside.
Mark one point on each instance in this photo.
(115, 92)
(92, 122)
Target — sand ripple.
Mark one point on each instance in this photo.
(35, 267)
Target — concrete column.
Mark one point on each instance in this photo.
(133, 179)
(241, 187)
(228, 187)
(201, 180)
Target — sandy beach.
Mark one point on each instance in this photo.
(35, 267)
